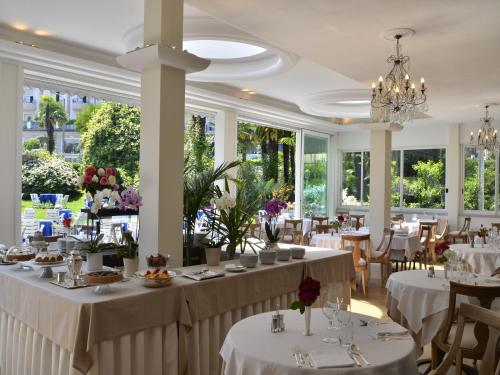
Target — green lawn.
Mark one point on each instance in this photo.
(73, 205)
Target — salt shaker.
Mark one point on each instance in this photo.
(431, 273)
(277, 321)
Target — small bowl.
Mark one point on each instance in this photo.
(249, 260)
(283, 255)
(155, 283)
(298, 252)
(267, 256)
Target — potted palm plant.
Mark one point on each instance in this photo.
(129, 253)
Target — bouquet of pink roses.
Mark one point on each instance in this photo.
(95, 179)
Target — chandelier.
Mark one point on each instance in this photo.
(396, 99)
(486, 136)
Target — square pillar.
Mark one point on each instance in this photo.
(453, 183)
(11, 91)
(380, 183)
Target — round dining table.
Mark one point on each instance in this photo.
(483, 260)
(420, 303)
(251, 348)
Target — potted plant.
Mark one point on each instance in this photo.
(273, 209)
(129, 253)
(94, 249)
(216, 237)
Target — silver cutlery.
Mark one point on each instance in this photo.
(297, 356)
(308, 357)
(354, 358)
(356, 350)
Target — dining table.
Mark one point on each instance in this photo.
(251, 348)
(333, 240)
(179, 329)
(424, 319)
(483, 259)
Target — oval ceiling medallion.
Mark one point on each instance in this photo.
(337, 103)
(234, 55)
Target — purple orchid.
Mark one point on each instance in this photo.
(130, 199)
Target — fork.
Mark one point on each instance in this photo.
(298, 357)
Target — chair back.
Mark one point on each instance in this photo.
(356, 253)
(490, 320)
(294, 224)
(29, 213)
(466, 226)
(441, 229)
(495, 225)
(318, 220)
(425, 233)
(386, 243)
(485, 295)
(252, 227)
(323, 228)
(34, 198)
(52, 214)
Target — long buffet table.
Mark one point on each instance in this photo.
(46, 329)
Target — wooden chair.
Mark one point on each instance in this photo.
(292, 231)
(496, 225)
(360, 264)
(358, 220)
(439, 236)
(324, 228)
(252, 228)
(315, 221)
(461, 234)
(422, 255)
(468, 339)
(382, 254)
(397, 221)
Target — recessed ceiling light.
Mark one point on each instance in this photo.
(221, 49)
(41, 32)
(26, 44)
(252, 92)
(19, 26)
(245, 90)
(353, 102)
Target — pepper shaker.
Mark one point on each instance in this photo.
(277, 321)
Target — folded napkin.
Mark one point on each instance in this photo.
(383, 329)
(335, 358)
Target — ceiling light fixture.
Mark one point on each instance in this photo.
(396, 99)
(353, 102)
(19, 26)
(486, 136)
(245, 90)
(252, 92)
(41, 32)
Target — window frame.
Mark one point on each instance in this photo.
(480, 212)
(363, 205)
(400, 150)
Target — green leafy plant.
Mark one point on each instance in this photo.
(199, 189)
(272, 235)
(130, 249)
(95, 245)
(32, 144)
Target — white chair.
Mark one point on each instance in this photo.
(52, 214)
(35, 200)
(28, 227)
(65, 199)
(59, 201)
(29, 213)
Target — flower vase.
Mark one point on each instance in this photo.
(94, 262)
(307, 318)
(130, 266)
(213, 256)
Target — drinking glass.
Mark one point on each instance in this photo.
(346, 334)
(330, 310)
(344, 313)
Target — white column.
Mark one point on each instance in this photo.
(162, 137)
(226, 137)
(380, 183)
(11, 90)
(453, 174)
(299, 173)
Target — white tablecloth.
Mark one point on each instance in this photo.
(484, 261)
(409, 244)
(250, 348)
(333, 240)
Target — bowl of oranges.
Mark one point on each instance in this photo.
(156, 278)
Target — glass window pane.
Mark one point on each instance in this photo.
(351, 178)
(395, 178)
(315, 174)
(471, 179)
(424, 178)
(366, 178)
(489, 181)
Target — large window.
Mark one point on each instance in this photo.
(355, 178)
(268, 160)
(479, 180)
(315, 174)
(418, 178)
(423, 178)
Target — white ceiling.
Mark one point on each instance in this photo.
(456, 47)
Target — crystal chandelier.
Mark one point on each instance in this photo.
(486, 136)
(396, 99)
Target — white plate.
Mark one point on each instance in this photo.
(236, 269)
(33, 263)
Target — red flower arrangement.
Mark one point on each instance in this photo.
(441, 247)
(340, 219)
(308, 293)
(67, 222)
